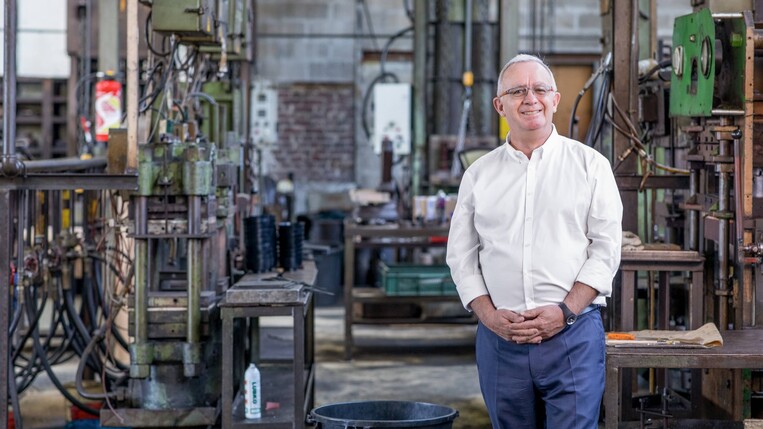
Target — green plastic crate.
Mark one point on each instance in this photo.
(411, 280)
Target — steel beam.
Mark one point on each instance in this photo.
(633, 183)
(625, 56)
(5, 274)
(419, 94)
(64, 182)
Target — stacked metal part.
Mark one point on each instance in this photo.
(290, 239)
(260, 243)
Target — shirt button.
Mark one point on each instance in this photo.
(527, 244)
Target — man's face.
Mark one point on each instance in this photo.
(531, 100)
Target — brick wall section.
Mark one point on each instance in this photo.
(316, 132)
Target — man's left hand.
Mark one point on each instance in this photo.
(548, 320)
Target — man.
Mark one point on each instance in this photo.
(533, 247)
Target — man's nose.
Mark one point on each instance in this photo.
(530, 97)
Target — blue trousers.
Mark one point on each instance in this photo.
(557, 384)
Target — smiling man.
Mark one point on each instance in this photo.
(533, 247)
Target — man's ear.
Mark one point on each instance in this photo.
(498, 106)
(557, 97)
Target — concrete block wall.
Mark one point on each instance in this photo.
(315, 48)
(315, 129)
(318, 40)
(575, 25)
(570, 26)
(306, 44)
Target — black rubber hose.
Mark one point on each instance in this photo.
(15, 321)
(83, 334)
(13, 392)
(659, 66)
(56, 381)
(81, 369)
(34, 319)
(106, 307)
(573, 119)
(603, 108)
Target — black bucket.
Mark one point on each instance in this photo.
(383, 414)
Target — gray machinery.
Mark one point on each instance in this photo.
(71, 227)
(693, 118)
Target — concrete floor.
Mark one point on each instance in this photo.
(423, 363)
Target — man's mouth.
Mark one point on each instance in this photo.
(531, 112)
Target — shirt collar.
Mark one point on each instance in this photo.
(548, 147)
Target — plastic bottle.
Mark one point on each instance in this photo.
(252, 393)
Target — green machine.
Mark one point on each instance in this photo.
(708, 64)
(193, 21)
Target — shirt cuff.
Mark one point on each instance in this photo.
(470, 288)
(597, 275)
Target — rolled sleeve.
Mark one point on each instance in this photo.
(604, 232)
(464, 245)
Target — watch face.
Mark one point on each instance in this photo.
(571, 319)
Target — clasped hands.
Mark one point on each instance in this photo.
(528, 327)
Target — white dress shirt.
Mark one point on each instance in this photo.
(525, 230)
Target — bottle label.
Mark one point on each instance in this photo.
(252, 397)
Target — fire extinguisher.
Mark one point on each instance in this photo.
(108, 106)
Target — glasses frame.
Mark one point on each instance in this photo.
(548, 89)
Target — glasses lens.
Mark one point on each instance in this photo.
(522, 91)
(519, 92)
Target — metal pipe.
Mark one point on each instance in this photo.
(727, 112)
(723, 234)
(141, 270)
(419, 95)
(443, 65)
(10, 165)
(485, 70)
(6, 253)
(693, 214)
(63, 164)
(757, 37)
(467, 80)
(732, 15)
(133, 30)
(738, 193)
(87, 56)
(195, 271)
(141, 351)
(468, 36)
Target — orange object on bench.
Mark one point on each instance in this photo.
(620, 336)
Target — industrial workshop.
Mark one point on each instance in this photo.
(358, 214)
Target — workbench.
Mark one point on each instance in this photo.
(291, 386)
(663, 262)
(741, 349)
(380, 236)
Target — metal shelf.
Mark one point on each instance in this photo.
(394, 236)
(277, 387)
(290, 381)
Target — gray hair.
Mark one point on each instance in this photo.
(523, 58)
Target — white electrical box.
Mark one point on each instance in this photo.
(392, 117)
(264, 116)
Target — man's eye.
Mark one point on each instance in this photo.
(517, 92)
(540, 91)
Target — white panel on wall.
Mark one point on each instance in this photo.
(41, 39)
(42, 14)
(392, 117)
(42, 55)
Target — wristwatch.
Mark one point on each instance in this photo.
(569, 316)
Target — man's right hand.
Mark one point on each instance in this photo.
(503, 322)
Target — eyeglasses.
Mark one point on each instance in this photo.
(521, 92)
